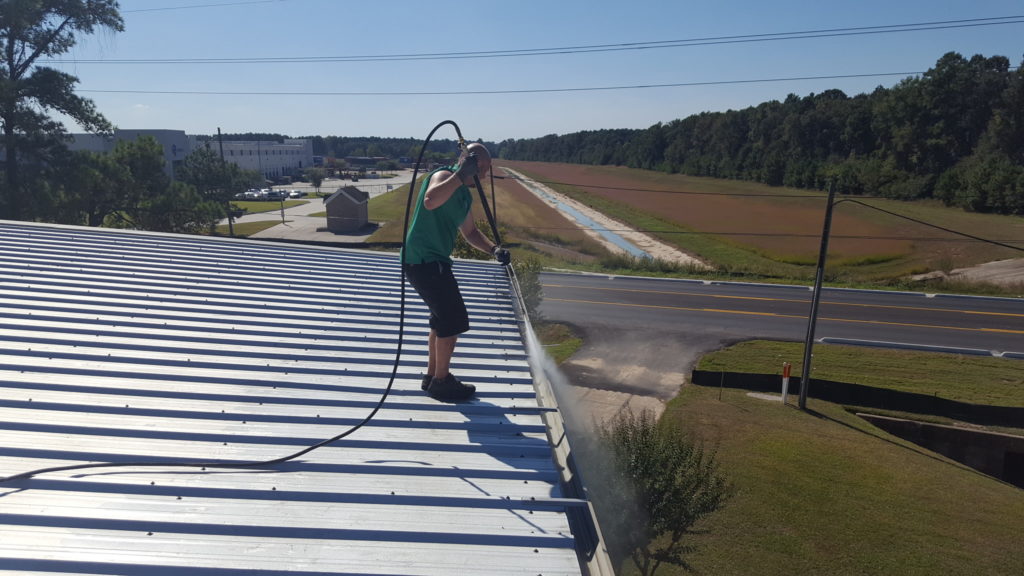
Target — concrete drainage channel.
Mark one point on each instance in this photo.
(997, 455)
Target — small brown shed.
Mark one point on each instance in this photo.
(347, 210)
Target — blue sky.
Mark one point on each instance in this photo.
(233, 29)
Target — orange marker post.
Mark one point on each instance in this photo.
(785, 380)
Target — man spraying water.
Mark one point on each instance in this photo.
(442, 211)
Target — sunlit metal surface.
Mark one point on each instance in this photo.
(127, 346)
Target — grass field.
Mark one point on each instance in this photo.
(749, 229)
(823, 492)
(973, 379)
(256, 207)
(243, 230)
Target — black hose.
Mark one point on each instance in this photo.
(487, 209)
(306, 450)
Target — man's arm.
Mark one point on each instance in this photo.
(442, 185)
(474, 236)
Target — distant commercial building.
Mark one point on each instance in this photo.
(176, 144)
(270, 158)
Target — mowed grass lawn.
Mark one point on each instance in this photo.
(973, 379)
(823, 492)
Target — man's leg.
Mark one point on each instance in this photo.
(432, 354)
(444, 386)
(441, 352)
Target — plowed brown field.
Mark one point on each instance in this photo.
(782, 227)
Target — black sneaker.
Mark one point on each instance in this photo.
(426, 382)
(449, 388)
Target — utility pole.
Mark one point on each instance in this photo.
(805, 375)
(231, 215)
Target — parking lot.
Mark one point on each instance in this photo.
(298, 224)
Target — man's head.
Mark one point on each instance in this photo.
(483, 157)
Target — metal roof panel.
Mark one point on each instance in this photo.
(121, 346)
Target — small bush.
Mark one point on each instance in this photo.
(660, 485)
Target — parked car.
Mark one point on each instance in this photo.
(296, 194)
(276, 194)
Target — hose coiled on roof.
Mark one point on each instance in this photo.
(352, 429)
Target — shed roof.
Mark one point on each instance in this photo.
(354, 195)
(126, 346)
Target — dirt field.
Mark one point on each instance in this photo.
(530, 220)
(650, 245)
(784, 225)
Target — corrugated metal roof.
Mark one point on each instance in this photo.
(126, 346)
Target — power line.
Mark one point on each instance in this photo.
(189, 7)
(660, 44)
(493, 92)
(936, 226)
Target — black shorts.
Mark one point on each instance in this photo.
(436, 285)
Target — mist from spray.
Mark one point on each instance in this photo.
(590, 455)
(580, 431)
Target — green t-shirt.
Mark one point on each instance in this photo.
(432, 233)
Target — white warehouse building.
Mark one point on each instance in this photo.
(270, 158)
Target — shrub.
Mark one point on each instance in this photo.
(660, 485)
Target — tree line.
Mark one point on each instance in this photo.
(341, 147)
(956, 133)
(438, 150)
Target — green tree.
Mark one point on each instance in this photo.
(315, 177)
(215, 180)
(178, 208)
(30, 30)
(93, 189)
(659, 486)
(151, 200)
(143, 158)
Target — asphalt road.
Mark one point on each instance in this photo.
(644, 335)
